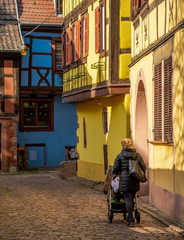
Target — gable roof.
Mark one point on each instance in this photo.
(38, 12)
(9, 31)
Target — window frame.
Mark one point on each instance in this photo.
(36, 127)
(55, 69)
(163, 117)
(136, 6)
(59, 7)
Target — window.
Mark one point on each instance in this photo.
(163, 124)
(136, 5)
(76, 41)
(36, 114)
(8, 87)
(57, 54)
(84, 35)
(102, 28)
(59, 6)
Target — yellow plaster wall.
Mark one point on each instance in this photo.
(180, 10)
(163, 161)
(179, 110)
(91, 159)
(161, 19)
(125, 34)
(125, 8)
(124, 61)
(152, 26)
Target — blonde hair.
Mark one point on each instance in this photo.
(126, 143)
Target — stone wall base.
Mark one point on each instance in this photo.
(68, 169)
(168, 202)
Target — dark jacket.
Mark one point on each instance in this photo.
(121, 166)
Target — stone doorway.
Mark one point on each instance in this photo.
(141, 132)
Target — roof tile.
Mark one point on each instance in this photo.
(37, 12)
(9, 31)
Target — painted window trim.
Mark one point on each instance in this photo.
(36, 128)
(54, 40)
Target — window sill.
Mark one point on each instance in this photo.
(161, 143)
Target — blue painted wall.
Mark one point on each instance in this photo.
(65, 118)
(64, 134)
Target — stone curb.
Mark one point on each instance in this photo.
(143, 205)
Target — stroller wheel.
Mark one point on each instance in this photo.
(110, 215)
(137, 216)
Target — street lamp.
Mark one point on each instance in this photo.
(23, 50)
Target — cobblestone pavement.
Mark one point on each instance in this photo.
(44, 206)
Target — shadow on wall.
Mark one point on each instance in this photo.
(80, 77)
(179, 101)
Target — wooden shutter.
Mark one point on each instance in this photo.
(168, 129)
(77, 45)
(158, 102)
(86, 34)
(70, 46)
(97, 29)
(105, 158)
(66, 42)
(63, 55)
(84, 133)
(9, 100)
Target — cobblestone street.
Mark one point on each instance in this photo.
(44, 206)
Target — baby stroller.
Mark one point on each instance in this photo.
(116, 202)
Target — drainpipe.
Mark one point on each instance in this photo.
(19, 23)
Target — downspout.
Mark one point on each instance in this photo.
(20, 32)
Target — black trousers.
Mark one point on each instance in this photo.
(129, 201)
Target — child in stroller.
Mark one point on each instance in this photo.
(116, 202)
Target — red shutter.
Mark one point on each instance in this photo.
(97, 29)
(158, 102)
(77, 47)
(62, 42)
(8, 87)
(86, 34)
(70, 46)
(168, 129)
(66, 42)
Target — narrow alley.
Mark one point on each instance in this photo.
(44, 206)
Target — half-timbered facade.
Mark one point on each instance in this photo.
(10, 56)
(47, 126)
(96, 53)
(156, 75)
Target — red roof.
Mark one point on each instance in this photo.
(38, 11)
(9, 32)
